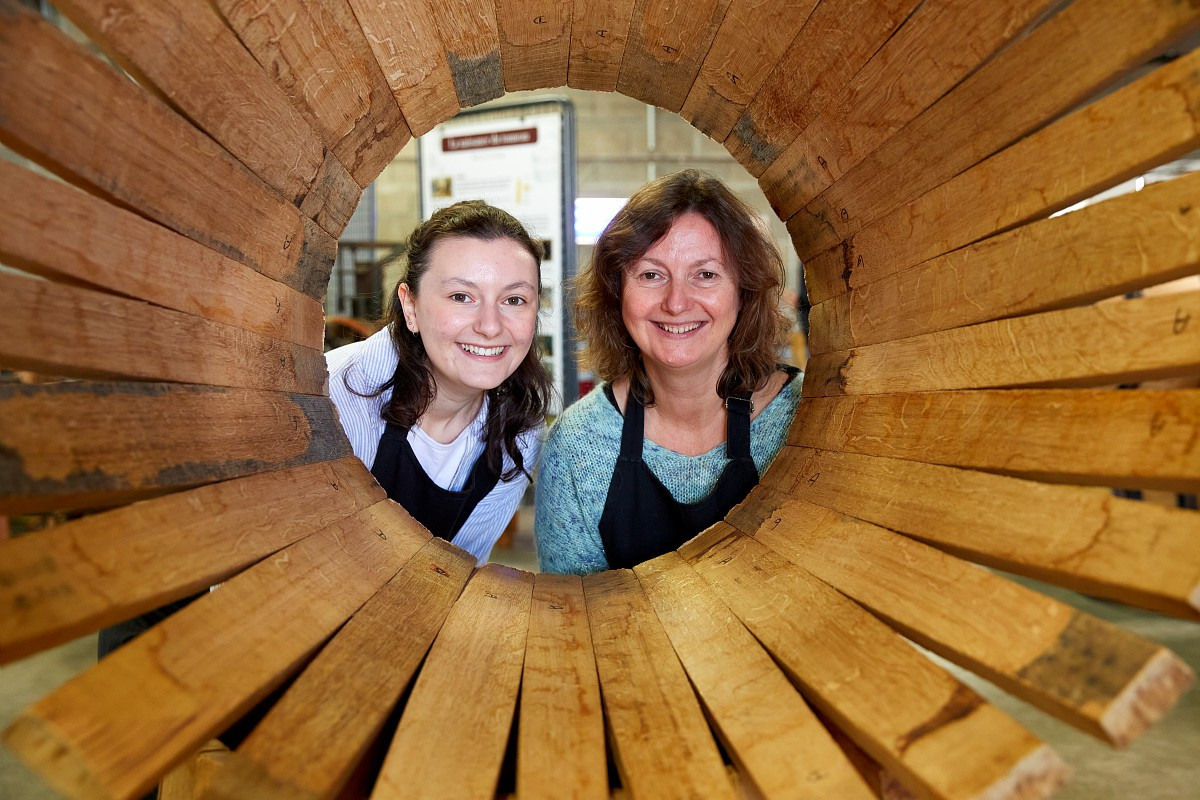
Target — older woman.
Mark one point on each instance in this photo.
(679, 312)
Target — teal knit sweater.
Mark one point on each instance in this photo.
(577, 463)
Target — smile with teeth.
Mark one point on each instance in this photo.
(687, 328)
(476, 350)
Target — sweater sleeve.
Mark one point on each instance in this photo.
(567, 541)
(571, 486)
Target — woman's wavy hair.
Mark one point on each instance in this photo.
(515, 406)
(761, 327)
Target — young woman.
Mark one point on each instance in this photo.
(679, 310)
(447, 403)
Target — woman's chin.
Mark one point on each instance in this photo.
(684, 357)
(681, 363)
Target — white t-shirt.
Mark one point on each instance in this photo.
(370, 363)
(443, 462)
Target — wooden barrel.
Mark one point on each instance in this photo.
(957, 405)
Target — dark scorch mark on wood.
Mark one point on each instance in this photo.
(477, 80)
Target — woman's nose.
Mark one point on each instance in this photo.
(677, 297)
(487, 323)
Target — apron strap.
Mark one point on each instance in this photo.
(480, 483)
(738, 409)
(633, 428)
(442, 511)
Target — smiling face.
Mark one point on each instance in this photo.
(476, 311)
(679, 301)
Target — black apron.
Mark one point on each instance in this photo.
(440, 510)
(641, 520)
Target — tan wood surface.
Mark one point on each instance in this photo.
(332, 198)
(475, 665)
(118, 727)
(599, 31)
(379, 137)
(408, 48)
(187, 54)
(1126, 341)
(472, 44)
(318, 56)
(561, 722)
(1079, 51)
(766, 727)
(81, 445)
(938, 736)
(78, 116)
(57, 232)
(1102, 679)
(189, 780)
(1113, 247)
(940, 44)
(313, 737)
(743, 788)
(668, 40)
(314, 262)
(660, 741)
(886, 205)
(535, 42)
(818, 63)
(54, 329)
(752, 39)
(1146, 123)
(1092, 437)
(98, 570)
(882, 783)
(1079, 537)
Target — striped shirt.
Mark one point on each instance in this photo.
(368, 364)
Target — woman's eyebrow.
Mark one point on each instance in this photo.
(463, 282)
(660, 263)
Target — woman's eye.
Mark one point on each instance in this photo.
(460, 297)
(708, 275)
(516, 301)
(650, 275)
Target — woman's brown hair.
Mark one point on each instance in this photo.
(515, 406)
(761, 328)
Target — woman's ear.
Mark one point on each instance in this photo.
(408, 304)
